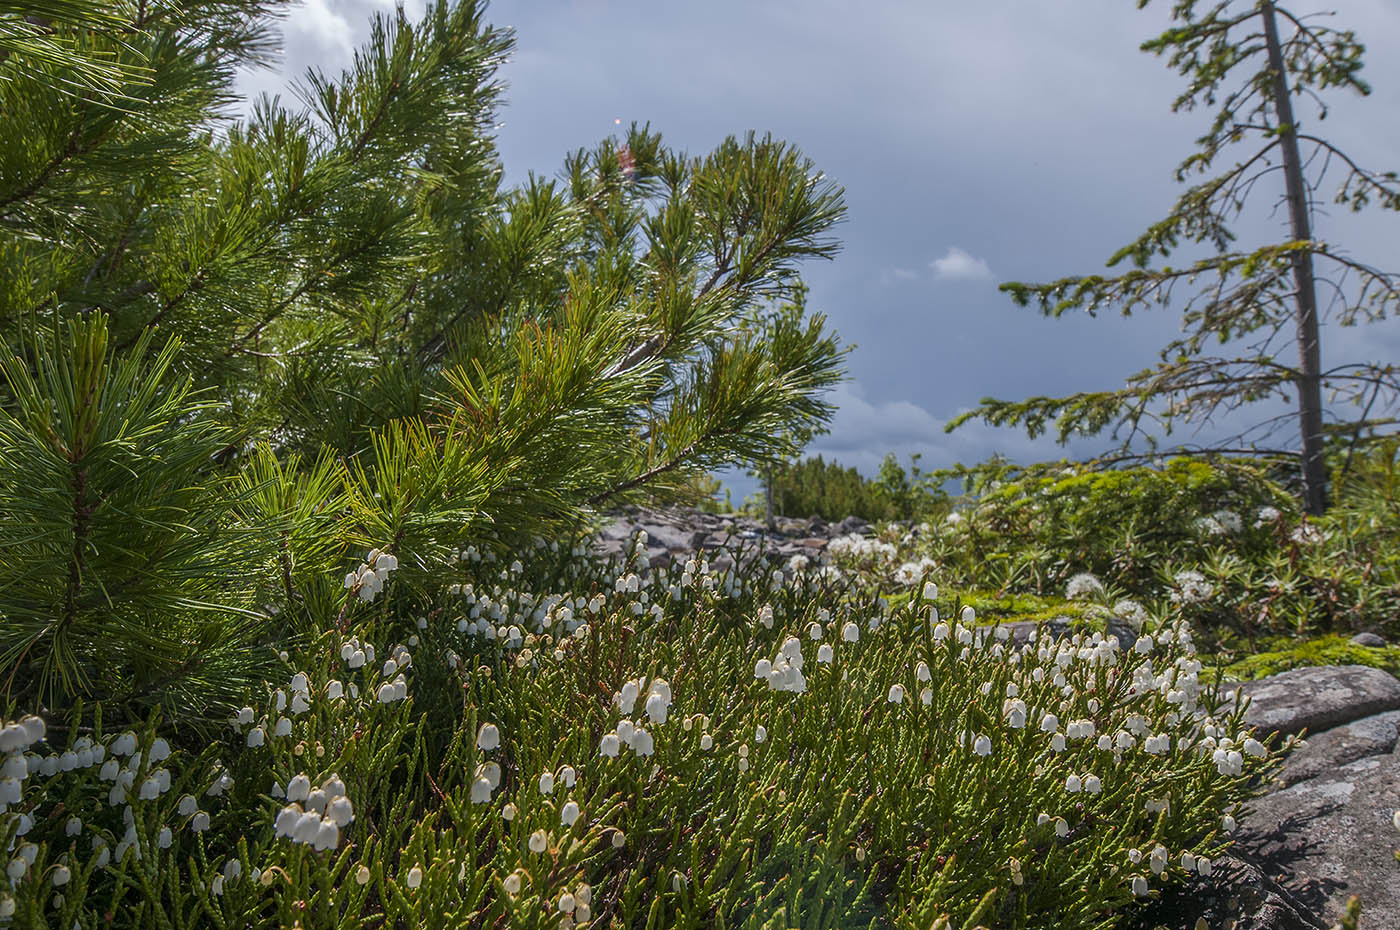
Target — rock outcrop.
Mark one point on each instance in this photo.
(1325, 830)
(1317, 699)
(682, 532)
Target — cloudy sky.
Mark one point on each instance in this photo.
(983, 142)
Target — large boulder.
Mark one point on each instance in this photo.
(1332, 836)
(1318, 698)
(1369, 736)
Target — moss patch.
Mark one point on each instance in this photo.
(993, 609)
(1324, 650)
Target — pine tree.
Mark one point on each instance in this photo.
(1235, 58)
(127, 576)
(392, 350)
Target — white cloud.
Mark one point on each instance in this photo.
(959, 264)
(324, 27)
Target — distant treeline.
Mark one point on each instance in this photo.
(814, 487)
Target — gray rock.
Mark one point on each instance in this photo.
(850, 525)
(665, 535)
(1061, 626)
(1239, 890)
(1368, 639)
(1331, 836)
(1318, 698)
(1369, 736)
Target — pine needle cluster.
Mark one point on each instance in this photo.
(237, 348)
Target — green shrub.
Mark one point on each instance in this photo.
(129, 579)
(1218, 543)
(1054, 522)
(374, 342)
(804, 761)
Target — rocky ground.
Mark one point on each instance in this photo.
(674, 533)
(1321, 832)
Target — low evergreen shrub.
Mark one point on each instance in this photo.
(552, 742)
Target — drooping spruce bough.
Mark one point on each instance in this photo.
(1248, 61)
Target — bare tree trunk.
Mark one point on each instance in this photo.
(1309, 378)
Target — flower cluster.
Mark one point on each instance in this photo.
(1220, 523)
(1191, 587)
(368, 580)
(1083, 586)
(396, 689)
(1131, 613)
(657, 705)
(315, 816)
(487, 777)
(784, 672)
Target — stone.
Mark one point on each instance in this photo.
(1318, 698)
(1238, 890)
(1331, 836)
(1061, 626)
(1369, 736)
(851, 525)
(666, 535)
(1368, 639)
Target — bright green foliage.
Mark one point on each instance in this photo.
(45, 40)
(1256, 298)
(992, 606)
(344, 334)
(831, 806)
(1221, 544)
(128, 577)
(1324, 650)
(1035, 528)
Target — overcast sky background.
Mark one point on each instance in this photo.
(978, 142)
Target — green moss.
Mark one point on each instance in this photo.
(1324, 650)
(992, 608)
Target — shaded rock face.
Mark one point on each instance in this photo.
(1369, 736)
(1239, 890)
(1331, 836)
(1323, 829)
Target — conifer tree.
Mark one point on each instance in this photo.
(391, 350)
(1249, 62)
